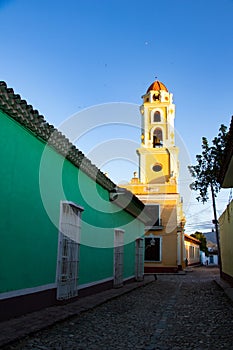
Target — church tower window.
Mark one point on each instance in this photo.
(157, 138)
(156, 96)
(157, 117)
(157, 167)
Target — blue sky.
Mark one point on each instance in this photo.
(66, 57)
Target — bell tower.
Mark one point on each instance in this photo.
(158, 155)
(157, 184)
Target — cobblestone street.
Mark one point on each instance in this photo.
(174, 312)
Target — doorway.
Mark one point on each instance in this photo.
(68, 250)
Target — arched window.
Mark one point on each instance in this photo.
(157, 138)
(157, 117)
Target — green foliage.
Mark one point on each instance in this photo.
(202, 238)
(208, 165)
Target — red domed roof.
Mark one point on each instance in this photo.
(156, 86)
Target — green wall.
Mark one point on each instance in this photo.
(28, 246)
(34, 179)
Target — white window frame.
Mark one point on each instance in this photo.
(68, 250)
(160, 247)
(118, 257)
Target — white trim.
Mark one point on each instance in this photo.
(21, 292)
(90, 284)
(73, 204)
(119, 229)
(139, 238)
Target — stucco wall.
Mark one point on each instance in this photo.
(34, 179)
(226, 239)
(192, 252)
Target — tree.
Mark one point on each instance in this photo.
(202, 239)
(206, 173)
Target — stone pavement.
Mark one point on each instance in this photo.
(174, 312)
(19, 327)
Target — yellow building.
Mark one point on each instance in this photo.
(157, 184)
(226, 218)
(192, 249)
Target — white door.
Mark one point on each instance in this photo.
(68, 251)
(139, 263)
(118, 257)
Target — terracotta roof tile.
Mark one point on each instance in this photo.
(157, 86)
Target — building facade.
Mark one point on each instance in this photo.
(64, 230)
(157, 183)
(192, 250)
(226, 219)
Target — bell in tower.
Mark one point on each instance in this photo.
(157, 138)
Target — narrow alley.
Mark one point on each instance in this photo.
(174, 312)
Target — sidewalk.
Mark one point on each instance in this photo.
(228, 289)
(223, 284)
(19, 327)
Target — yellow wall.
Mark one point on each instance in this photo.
(168, 215)
(168, 235)
(169, 253)
(152, 157)
(192, 252)
(226, 239)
